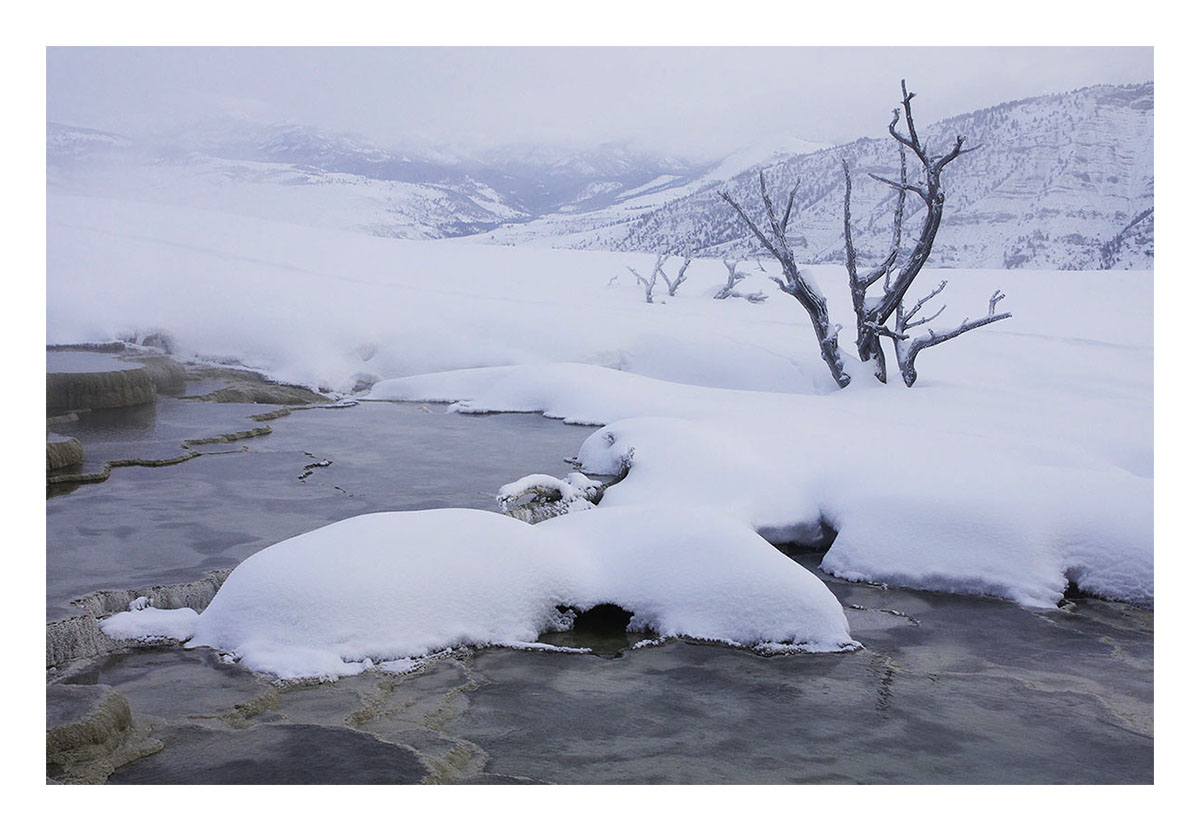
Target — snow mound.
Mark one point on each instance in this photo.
(145, 623)
(380, 588)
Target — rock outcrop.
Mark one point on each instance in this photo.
(90, 732)
(77, 383)
(68, 391)
(62, 451)
(168, 376)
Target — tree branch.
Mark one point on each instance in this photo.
(775, 227)
(905, 318)
(906, 354)
(798, 284)
(919, 191)
(949, 157)
(753, 227)
(787, 214)
(915, 323)
(880, 329)
(851, 254)
(897, 220)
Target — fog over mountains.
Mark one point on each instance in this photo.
(1063, 181)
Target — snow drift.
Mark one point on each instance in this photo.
(388, 586)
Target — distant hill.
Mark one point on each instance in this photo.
(1061, 181)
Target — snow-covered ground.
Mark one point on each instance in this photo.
(1021, 459)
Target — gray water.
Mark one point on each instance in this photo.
(151, 525)
(85, 362)
(947, 689)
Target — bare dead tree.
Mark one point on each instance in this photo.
(648, 285)
(680, 277)
(869, 348)
(795, 282)
(931, 194)
(872, 313)
(736, 277)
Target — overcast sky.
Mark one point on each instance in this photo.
(675, 99)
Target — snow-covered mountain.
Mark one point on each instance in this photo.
(608, 227)
(65, 143)
(286, 172)
(310, 176)
(1061, 181)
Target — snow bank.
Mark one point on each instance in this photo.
(380, 588)
(955, 488)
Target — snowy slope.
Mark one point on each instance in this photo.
(1055, 184)
(608, 227)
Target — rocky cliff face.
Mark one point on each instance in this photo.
(1058, 182)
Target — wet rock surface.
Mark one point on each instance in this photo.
(77, 379)
(90, 732)
(284, 754)
(168, 376)
(62, 451)
(1045, 697)
(229, 386)
(127, 386)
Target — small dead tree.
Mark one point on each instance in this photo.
(795, 282)
(672, 285)
(648, 285)
(873, 313)
(869, 349)
(736, 277)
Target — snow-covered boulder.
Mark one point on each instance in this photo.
(387, 586)
(539, 496)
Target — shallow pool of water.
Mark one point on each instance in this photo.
(155, 525)
(947, 689)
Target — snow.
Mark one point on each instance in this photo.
(1021, 460)
(149, 624)
(957, 489)
(382, 588)
(575, 487)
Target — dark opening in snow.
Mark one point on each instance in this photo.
(607, 619)
(604, 629)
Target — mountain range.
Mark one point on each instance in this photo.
(1061, 181)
